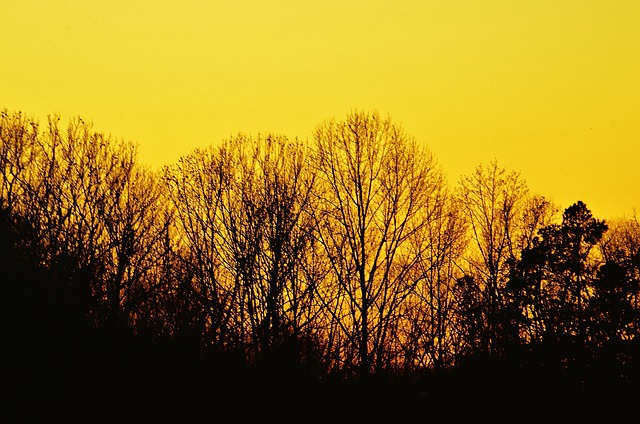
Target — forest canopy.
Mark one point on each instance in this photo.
(349, 255)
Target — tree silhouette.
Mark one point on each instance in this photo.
(555, 276)
(502, 217)
(427, 323)
(617, 288)
(374, 184)
(264, 278)
(243, 210)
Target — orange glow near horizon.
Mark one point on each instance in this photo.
(548, 88)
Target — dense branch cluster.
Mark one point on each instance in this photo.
(350, 253)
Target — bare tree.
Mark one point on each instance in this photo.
(286, 194)
(244, 213)
(91, 208)
(429, 321)
(502, 218)
(196, 185)
(135, 228)
(266, 218)
(18, 150)
(375, 183)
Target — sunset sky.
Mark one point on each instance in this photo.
(548, 88)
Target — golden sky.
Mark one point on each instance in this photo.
(548, 87)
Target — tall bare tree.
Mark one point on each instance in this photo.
(429, 322)
(244, 214)
(491, 199)
(196, 185)
(503, 219)
(266, 218)
(374, 184)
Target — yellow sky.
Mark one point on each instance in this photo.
(548, 87)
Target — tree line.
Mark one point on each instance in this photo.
(350, 253)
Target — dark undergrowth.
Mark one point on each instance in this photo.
(58, 367)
